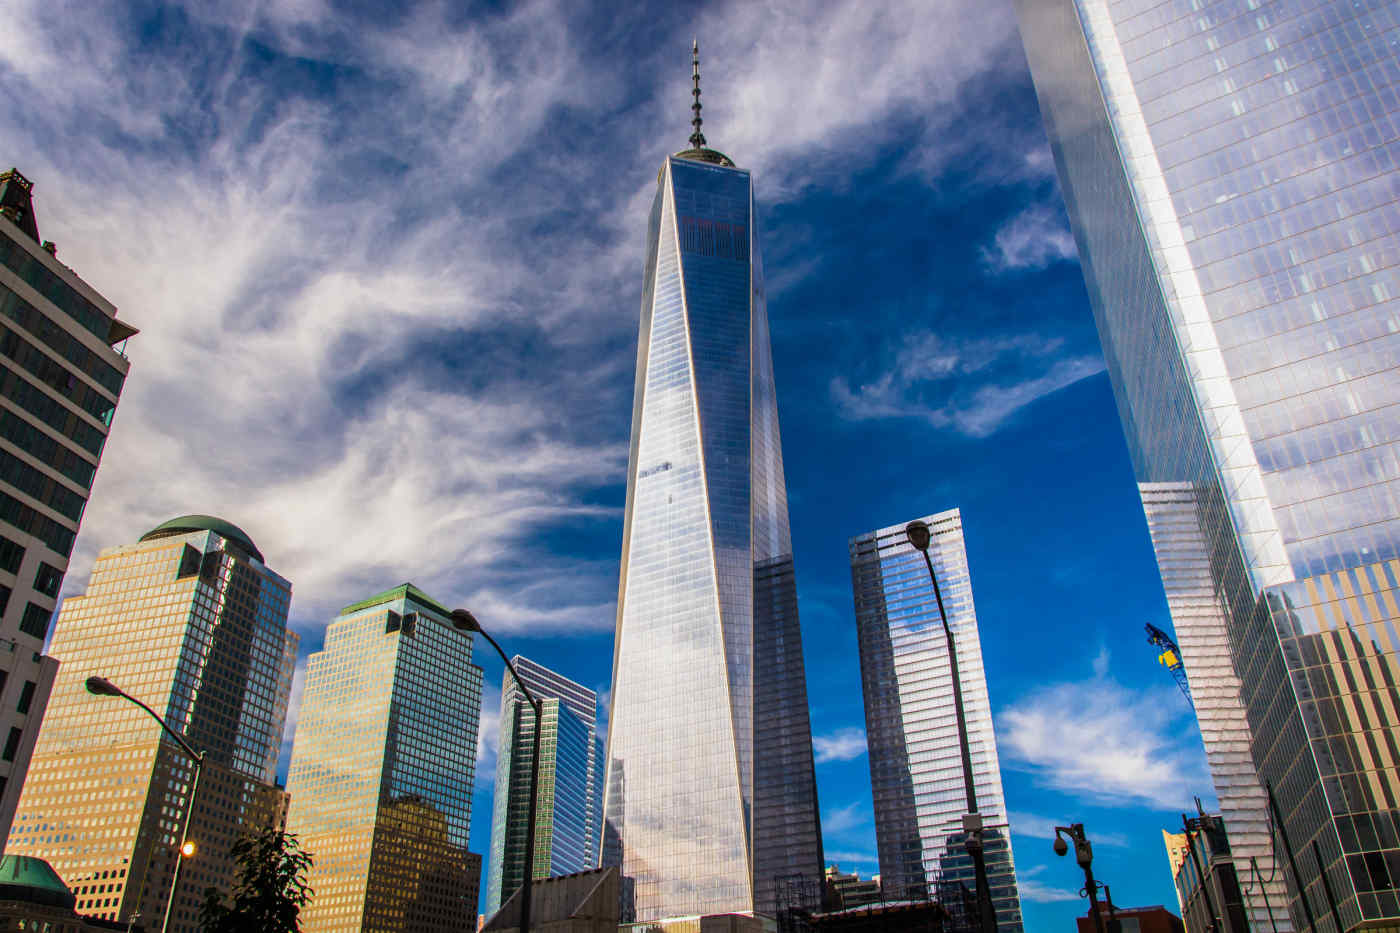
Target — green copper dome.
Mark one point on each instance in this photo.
(187, 523)
(24, 878)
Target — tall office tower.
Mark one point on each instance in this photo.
(569, 808)
(711, 792)
(916, 772)
(383, 768)
(1230, 173)
(60, 378)
(191, 622)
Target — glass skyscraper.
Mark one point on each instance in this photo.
(1230, 172)
(383, 767)
(61, 372)
(191, 622)
(916, 774)
(711, 792)
(569, 809)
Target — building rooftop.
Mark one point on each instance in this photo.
(403, 591)
(188, 523)
(25, 878)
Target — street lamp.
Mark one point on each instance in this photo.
(101, 686)
(919, 536)
(466, 622)
(1084, 855)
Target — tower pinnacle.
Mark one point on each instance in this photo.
(697, 138)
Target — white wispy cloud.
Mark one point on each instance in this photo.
(1038, 826)
(1106, 743)
(845, 819)
(973, 386)
(488, 736)
(1033, 239)
(841, 745)
(1031, 888)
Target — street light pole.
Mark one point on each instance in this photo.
(101, 686)
(919, 536)
(1084, 855)
(465, 621)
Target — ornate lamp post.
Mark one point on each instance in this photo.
(919, 536)
(466, 622)
(101, 686)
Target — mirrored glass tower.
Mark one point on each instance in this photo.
(1230, 169)
(710, 793)
(916, 776)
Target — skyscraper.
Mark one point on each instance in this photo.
(60, 377)
(711, 792)
(383, 767)
(916, 773)
(569, 809)
(1230, 173)
(191, 622)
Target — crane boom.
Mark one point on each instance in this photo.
(1170, 658)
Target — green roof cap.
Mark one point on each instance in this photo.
(404, 591)
(25, 878)
(187, 523)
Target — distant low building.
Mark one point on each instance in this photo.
(33, 897)
(1207, 886)
(850, 890)
(1155, 919)
(1175, 844)
(584, 902)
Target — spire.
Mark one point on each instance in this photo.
(697, 139)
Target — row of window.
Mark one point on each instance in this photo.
(21, 516)
(51, 286)
(45, 449)
(35, 483)
(51, 371)
(60, 341)
(19, 391)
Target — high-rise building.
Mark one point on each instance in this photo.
(711, 791)
(60, 377)
(1230, 173)
(191, 622)
(383, 767)
(916, 771)
(569, 804)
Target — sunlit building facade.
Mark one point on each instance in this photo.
(911, 729)
(61, 373)
(191, 622)
(1230, 173)
(569, 804)
(382, 770)
(710, 792)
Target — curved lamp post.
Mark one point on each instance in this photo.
(101, 686)
(919, 536)
(466, 622)
(1084, 855)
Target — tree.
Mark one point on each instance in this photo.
(271, 889)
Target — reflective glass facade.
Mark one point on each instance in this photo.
(911, 728)
(710, 791)
(1230, 171)
(570, 801)
(382, 769)
(60, 379)
(194, 625)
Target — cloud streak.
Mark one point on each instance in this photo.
(841, 745)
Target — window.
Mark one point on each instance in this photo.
(35, 621)
(11, 744)
(26, 696)
(393, 622)
(189, 563)
(10, 555)
(48, 579)
(410, 624)
(4, 598)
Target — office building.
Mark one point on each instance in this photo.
(1230, 173)
(845, 890)
(191, 622)
(1175, 844)
(569, 809)
(61, 373)
(1207, 887)
(710, 792)
(916, 770)
(383, 766)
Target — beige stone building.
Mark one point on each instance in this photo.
(191, 622)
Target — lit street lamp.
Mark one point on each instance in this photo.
(104, 687)
(918, 534)
(466, 622)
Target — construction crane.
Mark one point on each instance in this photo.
(1170, 658)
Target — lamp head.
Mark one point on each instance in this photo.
(464, 621)
(102, 687)
(1061, 847)
(918, 534)
(188, 849)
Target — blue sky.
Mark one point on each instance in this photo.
(387, 267)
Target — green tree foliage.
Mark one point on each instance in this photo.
(271, 888)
